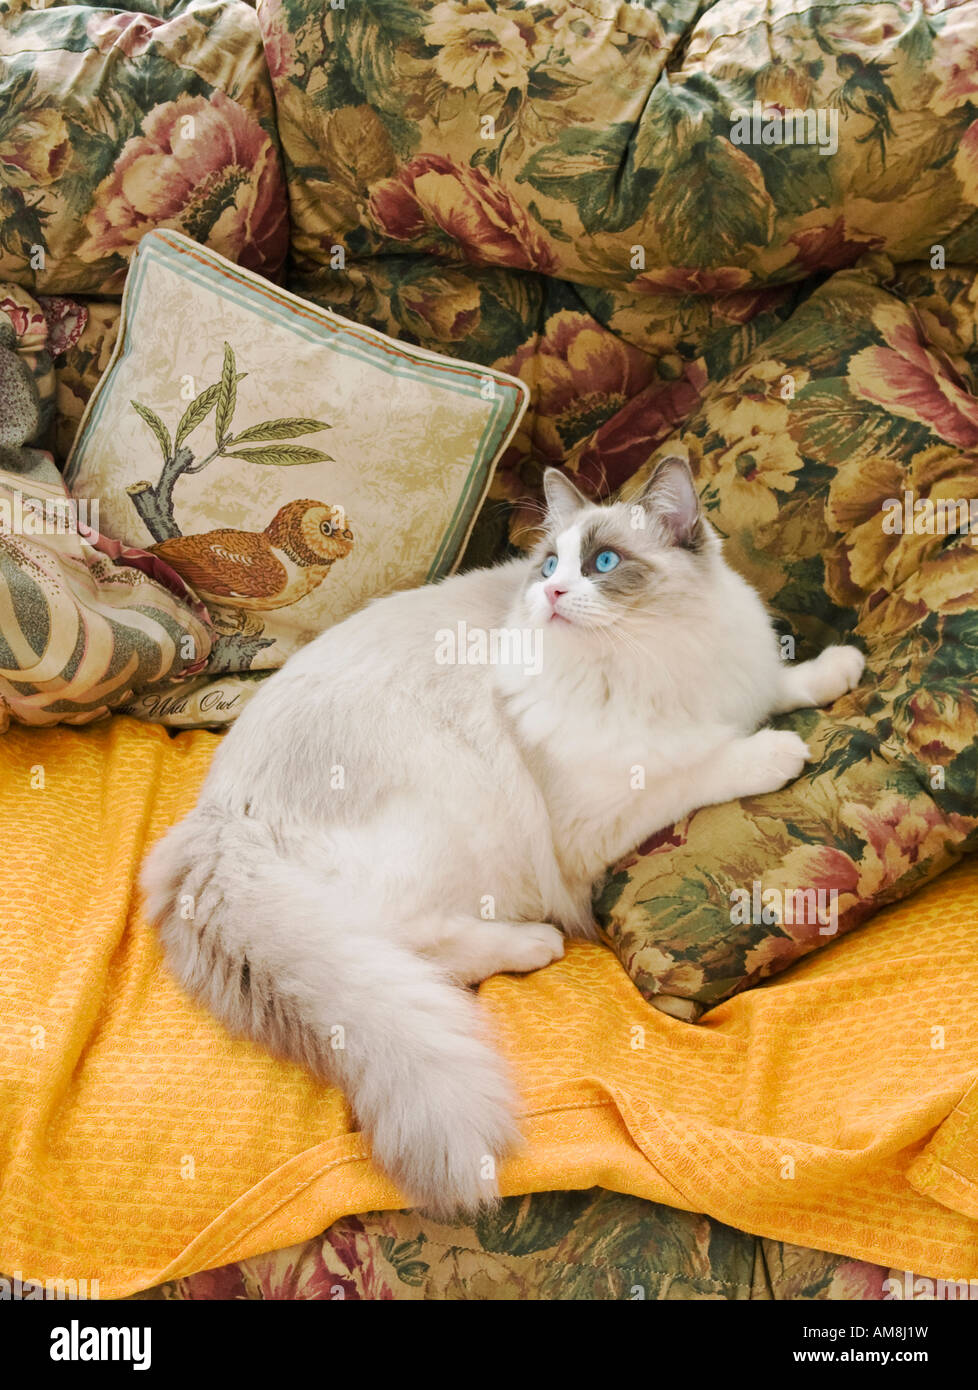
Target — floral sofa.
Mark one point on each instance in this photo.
(554, 189)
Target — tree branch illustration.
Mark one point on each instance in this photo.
(154, 501)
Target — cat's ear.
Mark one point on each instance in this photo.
(563, 498)
(670, 498)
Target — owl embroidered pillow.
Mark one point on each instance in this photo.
(287, 463)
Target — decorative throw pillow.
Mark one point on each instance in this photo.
(840, 465)
(85, 623)
(287, 463)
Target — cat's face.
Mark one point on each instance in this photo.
(599, 567)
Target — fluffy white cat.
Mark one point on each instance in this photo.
(330, 893)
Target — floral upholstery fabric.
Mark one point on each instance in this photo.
(553, 1245)
(561, 137)
(557, 189)
(114, 122)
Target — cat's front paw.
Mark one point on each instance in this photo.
(833, 673)
(771, 759)
(533, 945)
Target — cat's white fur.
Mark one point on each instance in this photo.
(378, 830)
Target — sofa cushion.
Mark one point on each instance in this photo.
(605, 143)
(85, 623)
(288, 463)
(554, 1246)
(839, 464)
(113, 122)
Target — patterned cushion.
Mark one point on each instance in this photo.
(85, 623)
(288, 463)
(563, 137)
(114, 122)
(839, 463)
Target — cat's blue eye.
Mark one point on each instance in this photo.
(607, 559)
(549, 565)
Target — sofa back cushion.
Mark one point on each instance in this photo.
(114, 122)
(669, 146)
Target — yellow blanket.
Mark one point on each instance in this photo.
(833, 1108)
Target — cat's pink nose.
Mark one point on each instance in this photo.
(553, 593)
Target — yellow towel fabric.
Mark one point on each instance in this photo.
(834, 1107)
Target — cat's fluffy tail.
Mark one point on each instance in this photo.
(261, 941)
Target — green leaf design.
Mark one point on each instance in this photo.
(227, 395)
(369, 36)
(405, 1258)
(797, 177)
(595, 171)
(554, 83)
(278, 429)
(156, 425)
(281, 456)
(829, 422)
(199, 409)
(522, 1225)
(551, 224)
(20, 92)
(694, 227)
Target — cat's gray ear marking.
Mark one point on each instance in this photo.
(670, 496)
(563, 498)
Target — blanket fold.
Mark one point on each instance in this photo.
(835, 1107)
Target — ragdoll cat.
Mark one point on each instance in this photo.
(382, 827)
